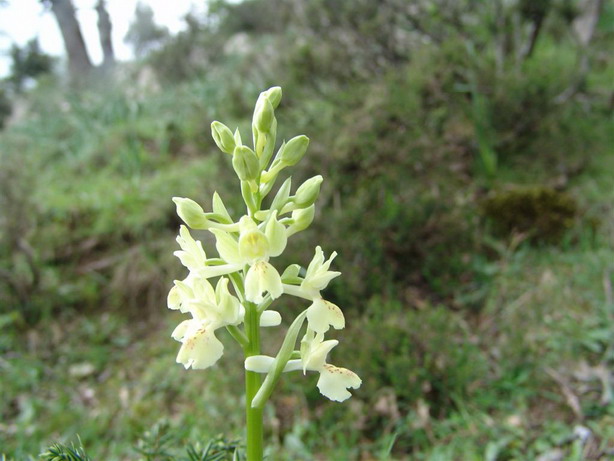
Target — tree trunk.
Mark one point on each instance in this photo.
(586, 23)
(584, 27)
(79, 63)
(536, 28)
(104, 32)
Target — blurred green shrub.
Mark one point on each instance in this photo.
(542, 213)
(409, 358)
(28, 62)
(97, 238)
(437, 362)
(399, 164)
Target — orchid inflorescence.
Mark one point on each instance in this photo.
(248, 283)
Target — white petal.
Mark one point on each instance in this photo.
(270, 319)
(188, 260)
(293, 365)
(272, 280)
(202, 311)
(181, 329)
(264, 363)
(276, 235)
(334, 382)
(253, 244)
(299, 292)
(227, 246)
(314, 350)
(259, 363)
(316, 262)
(320, 280)
(253, 290)
(321, 314)
(192, 255)
(326, 265)
(247, 224)
(200, 348)
(185, 286)
(203, 291)
(173, 300)
(260, 278)
(318, 276)
(186, 294)
(229, 307)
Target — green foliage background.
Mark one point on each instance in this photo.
(468, 189)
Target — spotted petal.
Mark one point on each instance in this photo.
(334, 382)
(200, 348)
(323, 314)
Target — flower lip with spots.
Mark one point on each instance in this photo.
(333, 383)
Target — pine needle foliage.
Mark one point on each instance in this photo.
(61, 452)
(218, 449)
(154, 445)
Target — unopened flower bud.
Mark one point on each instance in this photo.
(263, 116)
(223, 137)
(294, 150)
(274, 96)
(308, 192)
(191, 213)
(245, 163)
(302, 219)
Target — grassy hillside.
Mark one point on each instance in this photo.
(472, 207)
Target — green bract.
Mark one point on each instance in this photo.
(248, 283)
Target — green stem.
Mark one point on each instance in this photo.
(238, 335)
(252, 385)
(237, 282)
(248, 198)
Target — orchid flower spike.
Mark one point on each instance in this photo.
(234, 289)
